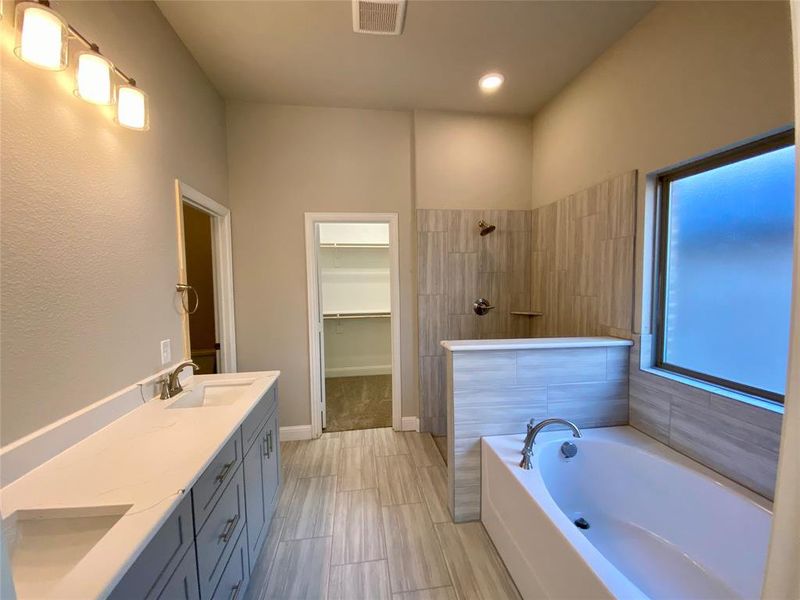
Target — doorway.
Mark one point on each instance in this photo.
(205, 281)
(353, 277)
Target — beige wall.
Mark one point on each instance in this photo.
(89, 259)
(472, 161)
(288, 160)
(691, 77)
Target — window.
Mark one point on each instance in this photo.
(725, 267)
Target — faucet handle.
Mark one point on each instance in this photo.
(164, 381)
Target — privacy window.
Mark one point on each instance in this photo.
(725, 267)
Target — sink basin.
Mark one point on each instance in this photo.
(45, 544)
(212, 393)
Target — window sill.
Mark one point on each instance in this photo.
(718, 390)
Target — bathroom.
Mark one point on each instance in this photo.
(610, 183)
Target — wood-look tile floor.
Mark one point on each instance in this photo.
(362, 515)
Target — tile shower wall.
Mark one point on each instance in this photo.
(735, 439)
(583, 261)
(456, 266)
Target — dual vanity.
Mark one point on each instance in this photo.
(172, 500)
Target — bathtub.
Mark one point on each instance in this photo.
(660, 524)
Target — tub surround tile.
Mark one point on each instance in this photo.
(432, 262)
(363, 581)
(738, 440)
(415, 557)
(497, 392)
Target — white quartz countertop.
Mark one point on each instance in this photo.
(149, 459)
(533, 343)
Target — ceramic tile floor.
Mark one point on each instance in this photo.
(363, 515)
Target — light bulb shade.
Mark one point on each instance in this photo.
(41, 37)
(93, 78)
(132, 108)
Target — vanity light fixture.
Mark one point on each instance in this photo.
(42, 40)
(132, 107)
(491, 82)
(93, 77)
(42, 36)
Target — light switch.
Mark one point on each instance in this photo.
(166, 352)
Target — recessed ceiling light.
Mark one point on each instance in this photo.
(491, 82)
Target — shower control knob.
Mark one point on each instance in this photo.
(481, 306)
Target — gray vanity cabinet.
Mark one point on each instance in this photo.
(261, 466)
(209, 545)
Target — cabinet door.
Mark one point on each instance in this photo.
(183, 583)
(254, 497)
(271, 466)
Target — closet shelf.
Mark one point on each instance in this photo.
(357, 315)
(524, 313)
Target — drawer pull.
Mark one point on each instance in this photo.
(235, 590)
(224, 472)
(269, 436)
(265, 447)
(229, 529)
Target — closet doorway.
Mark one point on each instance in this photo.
(354, 329)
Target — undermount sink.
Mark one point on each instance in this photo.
(45, 544)
(212, 393)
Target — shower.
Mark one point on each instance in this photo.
(485, 228)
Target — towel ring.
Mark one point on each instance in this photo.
(185, 287)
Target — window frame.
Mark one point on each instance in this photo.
(664, 179)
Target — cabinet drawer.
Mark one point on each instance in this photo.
(252, 424)
(236, 575)
(183, 583)
(158, 560)
(217, 537)
(212, 482)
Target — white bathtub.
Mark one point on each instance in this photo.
(661, 525)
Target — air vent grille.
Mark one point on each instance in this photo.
(381, 17)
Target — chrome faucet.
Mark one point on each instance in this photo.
(533, 431)
(171, 384)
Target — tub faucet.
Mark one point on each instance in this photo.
(533, 431)
(171, 384)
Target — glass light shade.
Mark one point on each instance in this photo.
(132, 108)
(41, 37)
(93, 78)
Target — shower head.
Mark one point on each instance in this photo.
(485, 228)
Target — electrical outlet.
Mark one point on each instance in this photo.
(166, 352)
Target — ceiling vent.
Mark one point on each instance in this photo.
(381, 17)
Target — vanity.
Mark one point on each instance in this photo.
(172, 500)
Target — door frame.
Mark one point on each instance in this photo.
(315, 321)
(222, 258)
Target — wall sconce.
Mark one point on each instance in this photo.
(43, 41)
(42, 36)
(132, 107)
(93, 77)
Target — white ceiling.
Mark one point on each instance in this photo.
(305, 52)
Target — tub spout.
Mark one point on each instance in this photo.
(530, 439)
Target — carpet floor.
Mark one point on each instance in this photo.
(358, 402)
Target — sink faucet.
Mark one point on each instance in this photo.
(533, 431)
(171, 384)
